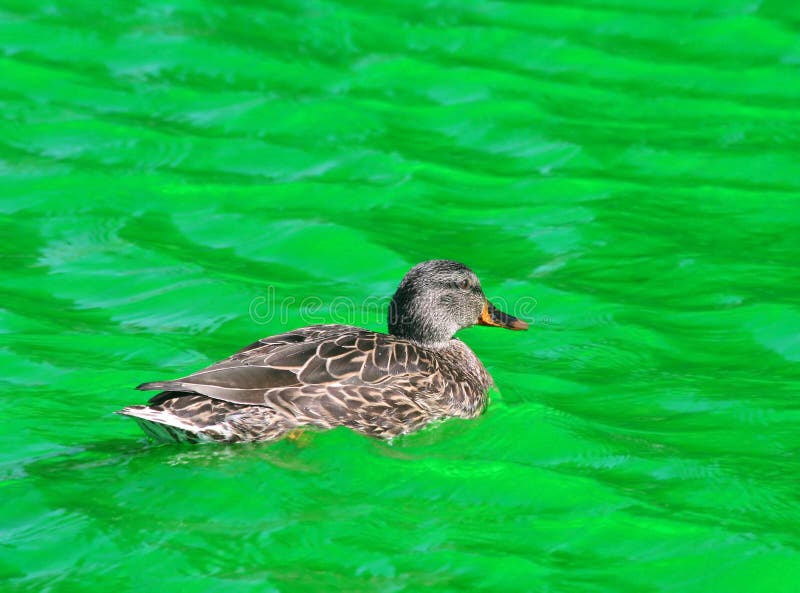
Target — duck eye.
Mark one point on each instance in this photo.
(463, 284)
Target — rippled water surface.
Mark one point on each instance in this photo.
(630, 165)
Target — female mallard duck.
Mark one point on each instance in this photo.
(325, 376)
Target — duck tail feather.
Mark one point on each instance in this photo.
(161, 385)
(162, 426)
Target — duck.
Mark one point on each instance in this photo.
(321, 377)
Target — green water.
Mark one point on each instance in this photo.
(630, 165)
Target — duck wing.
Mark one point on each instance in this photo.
(306, 365)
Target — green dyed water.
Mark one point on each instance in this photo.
(630, 165)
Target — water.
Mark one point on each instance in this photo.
(631, 166)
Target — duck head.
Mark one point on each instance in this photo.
(439, 297)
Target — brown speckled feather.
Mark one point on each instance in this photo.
(322, 376)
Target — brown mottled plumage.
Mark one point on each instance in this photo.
(323, 376)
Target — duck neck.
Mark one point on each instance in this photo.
(408, 323)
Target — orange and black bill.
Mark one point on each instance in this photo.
(494, 316)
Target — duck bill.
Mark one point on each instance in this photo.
(491, 315)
